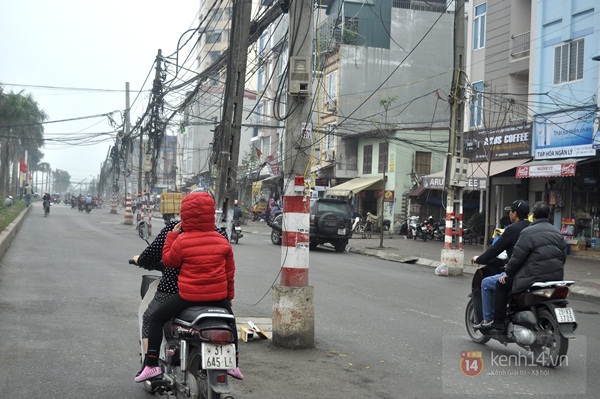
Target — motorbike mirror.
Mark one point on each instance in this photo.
(143, 231)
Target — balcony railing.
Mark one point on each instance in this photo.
(520, 45)
(421, 5)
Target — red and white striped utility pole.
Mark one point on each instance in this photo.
(293, 299)
(295, 235)
(456, 166)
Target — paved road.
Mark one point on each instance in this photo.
(583, 270)
(383, 329)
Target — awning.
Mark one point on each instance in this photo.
(477, 174)
(322, 165)
(353, 186)
(415, 193)
(549, 168)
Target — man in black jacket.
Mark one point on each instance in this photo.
(539, 255)
(518, 212)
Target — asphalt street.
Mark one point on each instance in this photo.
(68, 318)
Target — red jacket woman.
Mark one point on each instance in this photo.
(204, 258)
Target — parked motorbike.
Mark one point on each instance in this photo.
(434, 232)
(538, 319)
(411, 231)
(236, 231)
(370, 224)
(198, 347)
(421, 231)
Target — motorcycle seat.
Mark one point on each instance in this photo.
(193, 314)
(540, 285)
(551, 284)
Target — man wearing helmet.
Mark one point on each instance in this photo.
(519, 210)
(237, 211)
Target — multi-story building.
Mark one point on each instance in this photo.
(533, 105)
(382, 115)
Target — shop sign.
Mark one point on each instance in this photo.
(388, 195)
(509, 142)
(565, 134)
(476, 184)
(564, 170)
(392, 162)
(322, 182)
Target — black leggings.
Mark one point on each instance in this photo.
(169, 309)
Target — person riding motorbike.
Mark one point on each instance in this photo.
(46, 201)
(519, 210)
(539, 255)
(151, 259)
(206, 277)
(237, 211)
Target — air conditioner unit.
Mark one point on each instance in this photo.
(459, 169)
(329, 155)
(299, 76)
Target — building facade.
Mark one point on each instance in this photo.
(534, 85)
(382, 113)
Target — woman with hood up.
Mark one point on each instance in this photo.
(206, 273)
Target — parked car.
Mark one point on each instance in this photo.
(330, 222)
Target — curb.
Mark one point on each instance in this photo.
(9, 233)
(577, 292)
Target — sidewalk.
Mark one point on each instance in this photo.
(396, 248)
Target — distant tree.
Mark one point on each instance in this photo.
(62, 180)
(43, 167)
(20, 129)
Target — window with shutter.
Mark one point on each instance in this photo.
(568, 62)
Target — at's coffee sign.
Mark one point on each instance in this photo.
(509, 142)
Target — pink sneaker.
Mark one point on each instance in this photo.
(147, 373)
(236, 373)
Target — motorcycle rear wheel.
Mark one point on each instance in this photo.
(197, 380)
(234, 237)
(475, 335)
(551, 352)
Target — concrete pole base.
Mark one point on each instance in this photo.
(293, 317)
(455, 260)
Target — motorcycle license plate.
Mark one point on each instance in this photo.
(564, 315)
(342, 232)
(238, 228)
(218, 356)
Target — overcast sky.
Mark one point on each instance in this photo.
(85, 51)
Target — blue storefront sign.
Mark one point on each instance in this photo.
(566, 134)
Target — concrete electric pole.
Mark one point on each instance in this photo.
(456, 166)
(233, 102)
(293, 299)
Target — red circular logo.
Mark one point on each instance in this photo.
(471, 363)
